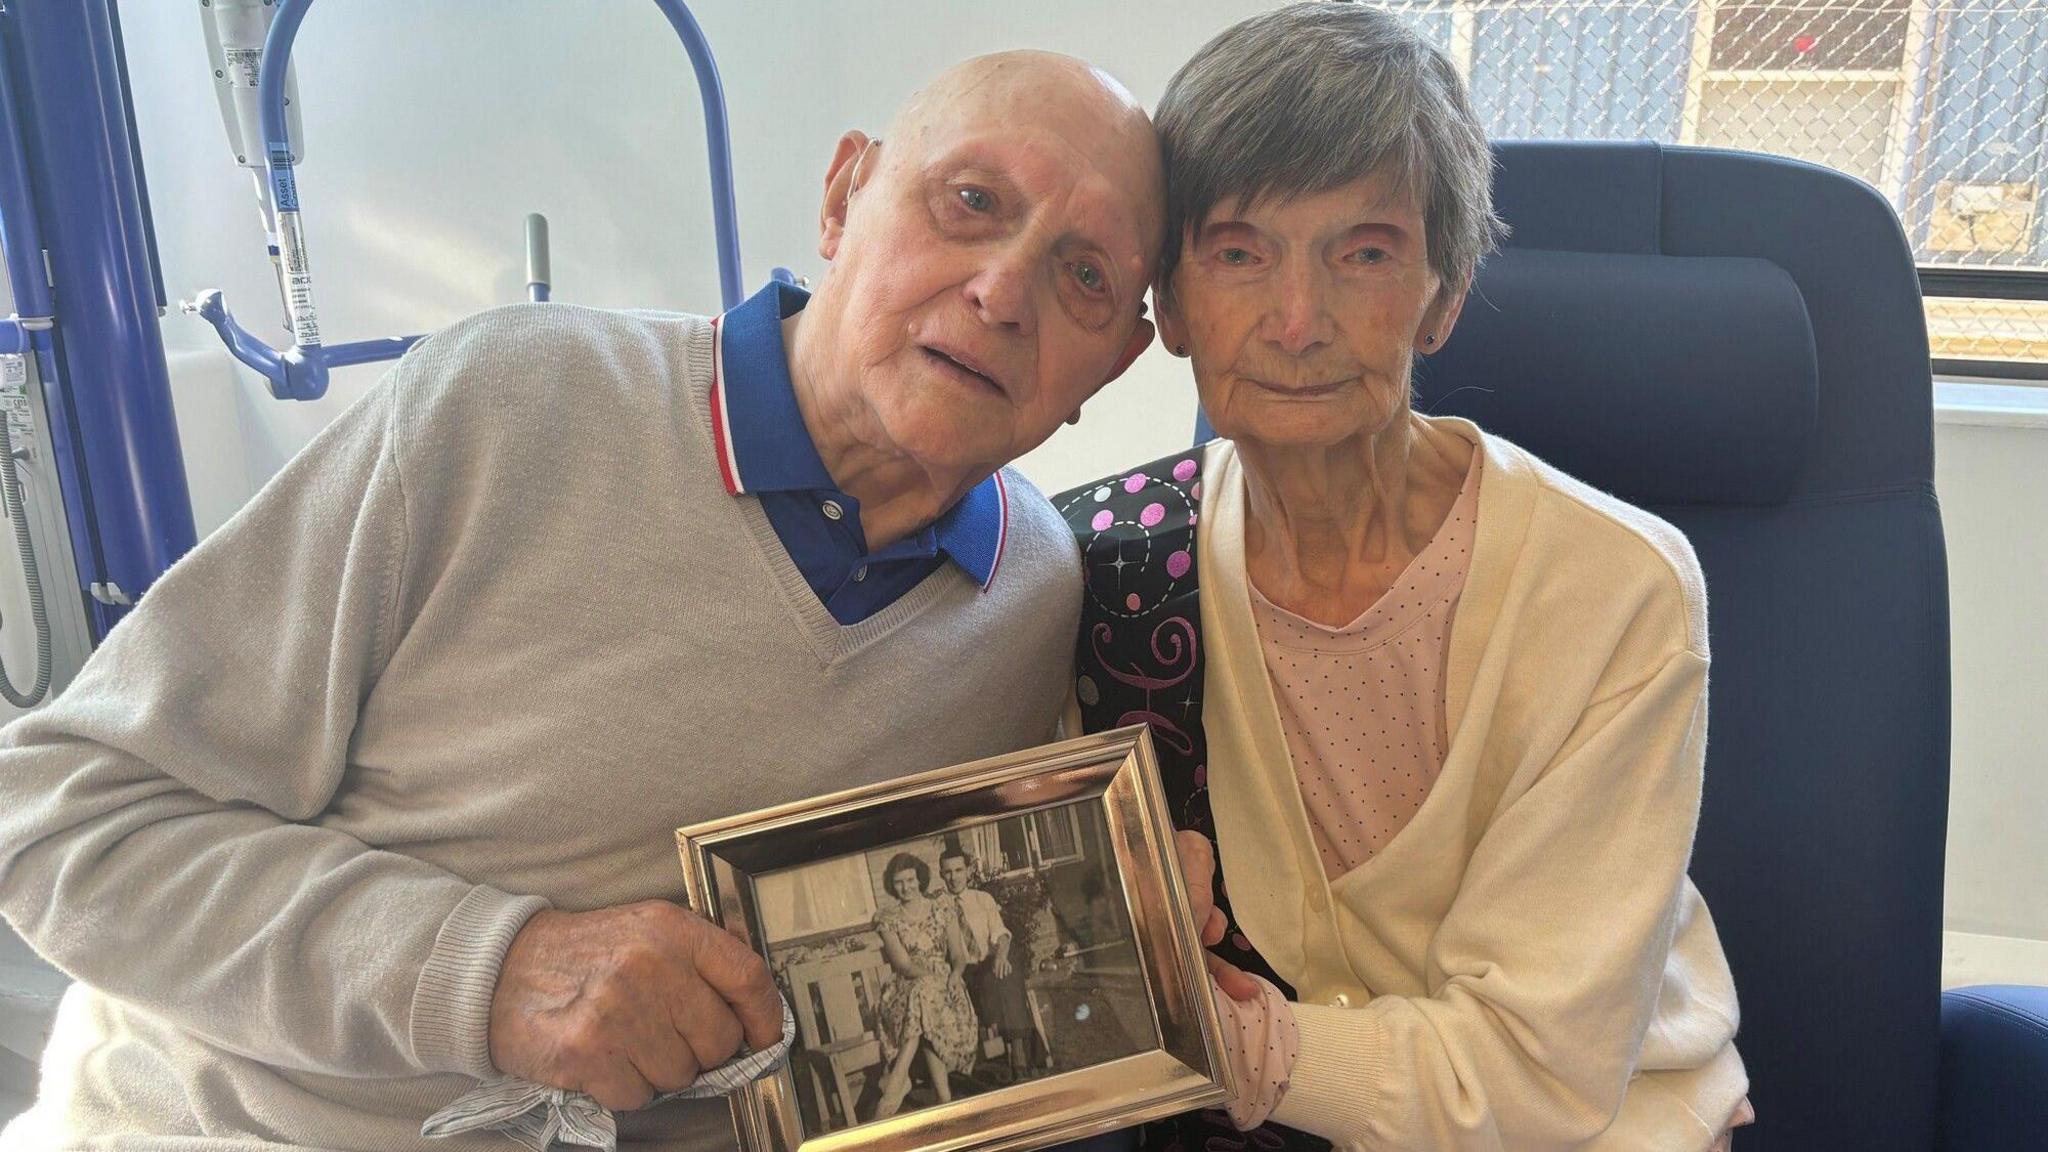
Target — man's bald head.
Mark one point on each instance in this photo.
(1023, 86)
(1029, 86)
(1000, 74)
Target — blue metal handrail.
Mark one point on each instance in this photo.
(20, 235)
(111, 423)
(300, 372)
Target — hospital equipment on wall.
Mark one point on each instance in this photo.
(100, 489)
(17, 342)
(257, 85)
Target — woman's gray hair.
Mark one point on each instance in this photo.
(1311, 97)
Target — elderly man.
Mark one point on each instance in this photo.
(374, 794)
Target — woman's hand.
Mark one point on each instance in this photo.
(1198, 867)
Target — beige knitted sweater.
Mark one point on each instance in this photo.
(482, 647)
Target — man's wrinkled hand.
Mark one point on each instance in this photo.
(1198, 868)
(629, 1002)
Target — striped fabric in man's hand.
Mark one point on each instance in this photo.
(543, 1118)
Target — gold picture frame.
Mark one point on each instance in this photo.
(789, 881)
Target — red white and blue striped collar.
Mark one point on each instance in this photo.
(762, 445)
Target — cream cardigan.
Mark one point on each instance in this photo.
(1526, 966)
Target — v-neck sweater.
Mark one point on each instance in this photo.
(478, 650)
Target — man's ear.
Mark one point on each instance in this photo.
(847, 166)
(1133, 348)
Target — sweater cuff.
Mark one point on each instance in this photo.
(1334, 1090)
(451, 1005)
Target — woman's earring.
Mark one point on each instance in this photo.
(1430, 339)
(1180, 349)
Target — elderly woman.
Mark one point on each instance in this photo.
(926, 1009)
(1441, 707)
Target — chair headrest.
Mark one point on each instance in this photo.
(1688, 379)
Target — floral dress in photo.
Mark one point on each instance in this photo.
(934, 1004)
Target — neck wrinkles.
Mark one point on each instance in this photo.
(1328, 530)
(898, 496)
(1315, 512)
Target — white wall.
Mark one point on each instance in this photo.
(433, 126)
(1992, 480)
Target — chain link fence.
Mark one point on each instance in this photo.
(1942, 105)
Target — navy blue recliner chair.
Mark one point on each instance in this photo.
(1736, 342)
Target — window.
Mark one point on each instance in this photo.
(1942, 105)
(1059, 834)
(1036, 840)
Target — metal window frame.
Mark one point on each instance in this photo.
(1951, 282)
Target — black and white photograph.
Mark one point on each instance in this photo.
(946, 966)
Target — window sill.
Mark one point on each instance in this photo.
(1969, 958)
(1984, 404)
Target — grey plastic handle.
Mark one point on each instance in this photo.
(537, 274)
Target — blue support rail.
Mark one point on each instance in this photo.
(24, 237)
(21, 239)
(74, 177)
(300, 372)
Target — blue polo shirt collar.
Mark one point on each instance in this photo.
(763, 446)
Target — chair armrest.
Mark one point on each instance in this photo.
(1994, 1068)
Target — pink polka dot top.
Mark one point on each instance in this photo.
(1363, 705)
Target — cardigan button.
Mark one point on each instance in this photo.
(1340, 1000)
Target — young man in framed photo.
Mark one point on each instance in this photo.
(995, 977)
